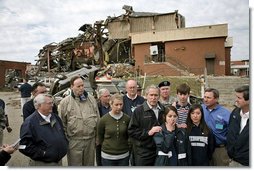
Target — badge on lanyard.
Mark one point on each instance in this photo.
(133, 108)
(219, 126)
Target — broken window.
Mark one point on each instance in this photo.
(157, 52)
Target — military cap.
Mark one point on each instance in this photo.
(164, 83)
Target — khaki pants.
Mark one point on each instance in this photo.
(220, 157)
(81, 152)
(40, 163)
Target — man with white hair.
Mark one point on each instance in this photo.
(104, 108)
(43, 135)
(103, 103)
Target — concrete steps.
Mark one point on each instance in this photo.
(226, 86)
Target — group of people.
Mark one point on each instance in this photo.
(131, 130)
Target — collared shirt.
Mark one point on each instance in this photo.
(244, 118)
(217, 120)
(117, 117)
(46, 118)
(155, 109)
(130, 97)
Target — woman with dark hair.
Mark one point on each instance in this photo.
(200, 136)
(173, 147)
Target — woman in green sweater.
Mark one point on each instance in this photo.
(113, 134)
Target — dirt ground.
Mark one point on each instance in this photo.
(13, 110)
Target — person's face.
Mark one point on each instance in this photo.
(116, 106)
(131, 88)
(171, 117)
(196, 116)
(153, 97)
(105, 97)
(240, 101)
(46, 107)
(164, 91)
(78, 87)
(139, 92)
(183, 98)
(209, 100)
(40, 90)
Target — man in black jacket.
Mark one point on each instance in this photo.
(25, 92)
(28, 108)
(145, 122)
(238, 131)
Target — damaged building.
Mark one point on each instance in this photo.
(162, 45)
(12, 72)
(145, 42)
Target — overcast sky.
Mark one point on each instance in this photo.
(28, 25)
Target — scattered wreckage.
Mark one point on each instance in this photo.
(93, 55)
(61, 85)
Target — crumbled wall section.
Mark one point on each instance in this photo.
(4, 65)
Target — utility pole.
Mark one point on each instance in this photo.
(98, 39)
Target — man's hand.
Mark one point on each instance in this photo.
(7, 148)
(154, 130)
(183, 125)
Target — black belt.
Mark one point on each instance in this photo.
(220, 145)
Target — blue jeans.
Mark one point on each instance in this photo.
(120, 162)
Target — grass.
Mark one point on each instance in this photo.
(193, 82)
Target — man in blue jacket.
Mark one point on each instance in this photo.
(43, 135)
(217, 119)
